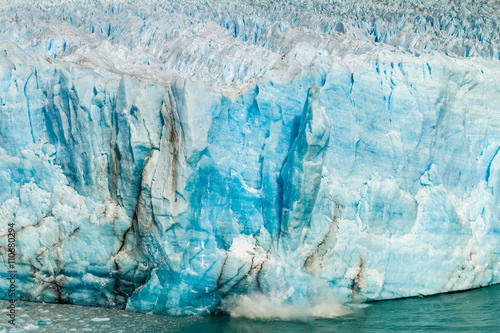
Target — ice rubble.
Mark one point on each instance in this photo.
(164, 157)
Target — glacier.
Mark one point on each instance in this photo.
(164, 157)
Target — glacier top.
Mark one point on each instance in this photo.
(230, 43)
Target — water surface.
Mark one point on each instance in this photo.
(472, 311)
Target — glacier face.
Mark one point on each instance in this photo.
(165, 157)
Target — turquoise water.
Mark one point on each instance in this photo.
(471, 311)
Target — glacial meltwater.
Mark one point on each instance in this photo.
(471, 311)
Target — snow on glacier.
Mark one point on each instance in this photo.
(168, 158)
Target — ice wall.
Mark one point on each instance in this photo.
(295, 165)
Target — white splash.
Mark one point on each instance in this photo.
(258, 306)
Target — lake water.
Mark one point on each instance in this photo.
(472, 311)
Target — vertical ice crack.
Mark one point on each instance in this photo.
(301, 173)
(28, 105)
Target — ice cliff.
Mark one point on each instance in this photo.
(164, 156)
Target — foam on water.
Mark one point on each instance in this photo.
(258, 306)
